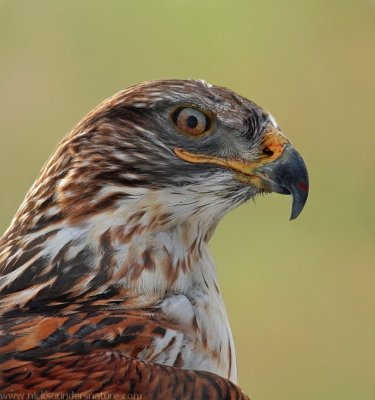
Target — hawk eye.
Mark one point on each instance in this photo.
(191, 120)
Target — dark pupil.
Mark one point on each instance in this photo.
(192, 121)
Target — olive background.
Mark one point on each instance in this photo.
(300, 294)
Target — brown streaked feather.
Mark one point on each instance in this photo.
(96, 352)
(109, 372)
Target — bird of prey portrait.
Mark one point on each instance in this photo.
(107, 285)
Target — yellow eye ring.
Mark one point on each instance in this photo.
(191, 121)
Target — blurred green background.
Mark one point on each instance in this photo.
(300, 294)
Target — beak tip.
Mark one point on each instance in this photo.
(299, 200)
(294, 214)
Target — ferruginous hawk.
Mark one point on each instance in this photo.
(106, 282)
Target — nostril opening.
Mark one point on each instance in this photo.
(267, 151)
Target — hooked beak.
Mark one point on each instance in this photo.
(280, 169)
(286, 175)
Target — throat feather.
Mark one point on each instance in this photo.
(94, 258)
(147, 242)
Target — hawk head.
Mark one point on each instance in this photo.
(198, 147)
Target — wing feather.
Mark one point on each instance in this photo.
(91, 353)
(110, 373)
